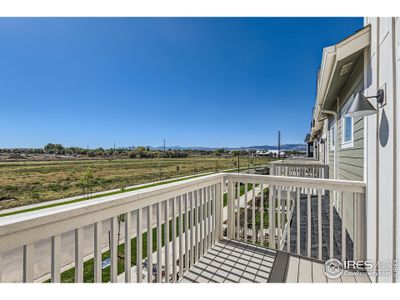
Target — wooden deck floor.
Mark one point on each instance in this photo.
(304, 270)
(236, 262)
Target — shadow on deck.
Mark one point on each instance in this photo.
(232, 261)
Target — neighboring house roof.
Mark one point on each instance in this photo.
(338, 62)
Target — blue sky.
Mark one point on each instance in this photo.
(135, 81)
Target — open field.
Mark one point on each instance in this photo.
(23, 183)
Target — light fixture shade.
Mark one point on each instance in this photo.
(360, 107)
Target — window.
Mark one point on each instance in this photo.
(347, 124)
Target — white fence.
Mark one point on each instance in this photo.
(299, 169)
(186, 220)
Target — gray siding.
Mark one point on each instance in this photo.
(351, 160)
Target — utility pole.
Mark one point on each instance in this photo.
(279, 144)
(164, 146)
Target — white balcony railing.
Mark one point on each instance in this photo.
(186, 219)
(299, 168)
(300, 206)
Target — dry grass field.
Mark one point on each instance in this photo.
(23, 183)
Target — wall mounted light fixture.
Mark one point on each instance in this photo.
(361, 106)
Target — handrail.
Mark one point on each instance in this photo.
(302, 182)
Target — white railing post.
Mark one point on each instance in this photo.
(28, 264)
(359, 226)
(159, 243)
(262, 215)
(166, 239)
(219, 211)
(79, 255)
(174, 269)
(230, 197)
(139, 256)
(319, 225)
(56, 258)
(97, 252)
(253, 215)
(149, 244)
(128, 267)
(113, 250)
(180, 232)
(245, 211)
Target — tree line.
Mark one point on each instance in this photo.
(129, 152)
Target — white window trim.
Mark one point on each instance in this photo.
(332, 137)
(350, 143)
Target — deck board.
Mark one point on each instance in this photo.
(305, 275)
(318, 273)
(233, 262)
(293, 270)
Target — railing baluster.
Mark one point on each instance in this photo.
(344, 256)
(127, 248)
(192, 233)
(271, 217)
(113, 250)
(79, 255)
(219, 200)
(188, 231)
(298, 220)
(201, 224)
(319, 226)
(330, 225)
(245, 211)
(279, 215)
(288, 209)
(166, 239)
(238, 212)
(209, 228)
(214, 214)
(205, 221)
(174, 270)
(159, 243)
(253, 215)
(149, 244)
(139, 256)
(28, 263)
(262, 215)
(97, 252)
(56, 258)
(181, 249)
(196, 243)
(230, 195)
(309, 222)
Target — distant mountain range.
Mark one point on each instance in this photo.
(290, 147)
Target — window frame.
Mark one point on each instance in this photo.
(332, 130)
(349, 143)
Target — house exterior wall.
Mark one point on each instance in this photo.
(381, 71)
(350, 155)
(374, 155)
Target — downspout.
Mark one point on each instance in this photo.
(335, 154)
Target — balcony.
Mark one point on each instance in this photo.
(216, 228)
